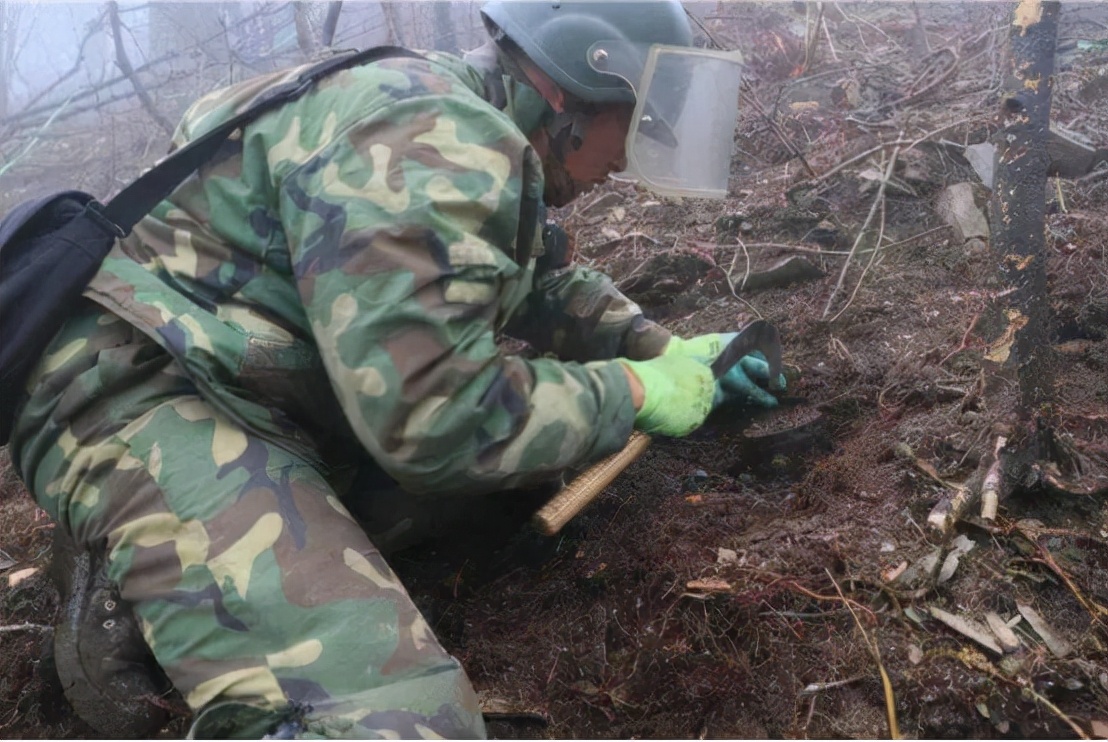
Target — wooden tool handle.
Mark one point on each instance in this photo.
(587, 485)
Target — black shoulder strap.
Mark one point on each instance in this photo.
(138, 198)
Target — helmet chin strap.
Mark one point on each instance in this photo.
(567, 132)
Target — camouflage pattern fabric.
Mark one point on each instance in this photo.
(349, 261)
(330, 286)
(250, 580)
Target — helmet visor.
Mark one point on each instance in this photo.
(682, 132)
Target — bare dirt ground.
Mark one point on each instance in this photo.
(775, 575)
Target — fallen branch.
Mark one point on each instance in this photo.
(1032, 533)
(913, 96)
(38, 135)
(25, 627)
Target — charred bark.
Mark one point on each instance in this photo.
(1017, 212)
(1020, 355)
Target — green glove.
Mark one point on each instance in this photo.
(740, 383)
(677, 394)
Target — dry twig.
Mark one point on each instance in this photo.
(875, 651)
(878, 200)
(24, 627)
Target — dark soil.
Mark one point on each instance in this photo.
(758, 578)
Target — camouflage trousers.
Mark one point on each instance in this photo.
(252, 583)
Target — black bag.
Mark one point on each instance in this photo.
(50, 248)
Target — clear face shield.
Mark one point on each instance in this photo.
(682, 131)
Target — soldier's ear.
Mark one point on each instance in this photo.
(548, 89)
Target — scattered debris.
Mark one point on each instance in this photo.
(967, 628)
(726, 556)
(498, 708)
(20, 575)
(980, 157)
(709, 585)
(957, 206)
(960, 546)
(1009, 642)
(1057, 645)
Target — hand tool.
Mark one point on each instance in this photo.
(758, 336)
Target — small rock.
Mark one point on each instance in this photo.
(976, 247)
(958, 208)
(20, 575)
(726, 556)
(970, 417)
(981, 157)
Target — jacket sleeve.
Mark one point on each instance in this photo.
(404, 238)
(577, 314)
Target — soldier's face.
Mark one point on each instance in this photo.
(602, 152)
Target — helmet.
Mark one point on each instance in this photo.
(641, 52)
(558, 36)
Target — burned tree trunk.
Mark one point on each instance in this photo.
(1020, 356)
(1029, 450)
(1019, 353)
(1017, 211)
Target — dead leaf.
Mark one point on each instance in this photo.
(915, 654)
(961, 545)
(967, 628)
(1099, 728)
(1009, 642)
(5, 560)
(1056, 644)
(20, 575)
(950, 564)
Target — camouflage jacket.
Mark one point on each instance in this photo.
(339, 274)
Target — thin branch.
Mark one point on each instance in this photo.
(702, 27)
(125, 67)
(38, 135)
(880, 199)
(330, 23)
(875, 652)
(872, 258)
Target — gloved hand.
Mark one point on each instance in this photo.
(677, 394)
(740, 383)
